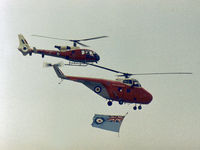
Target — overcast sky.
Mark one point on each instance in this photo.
(37, 113)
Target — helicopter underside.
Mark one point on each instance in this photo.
(79, 63)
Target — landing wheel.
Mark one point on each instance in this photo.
(109, 103)
(121, 102)
(42, 55)
(135, 107)
(140, 107)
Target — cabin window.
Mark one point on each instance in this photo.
(127, 81)
(83, 52)
(136, 84)
(87, 52)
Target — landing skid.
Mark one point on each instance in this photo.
(72, 63)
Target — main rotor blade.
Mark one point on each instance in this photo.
(130, 74)
(74, 41)
(162, 73)
(69, 39)
(106, 68)
(82, 44)
(94, 38)
(50, 37)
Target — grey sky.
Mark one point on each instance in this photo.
(144, 36)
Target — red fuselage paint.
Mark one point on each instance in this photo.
(116, 90)
(76, 55)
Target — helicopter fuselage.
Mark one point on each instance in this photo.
(76, 55)
(112, 90)
(115, 90)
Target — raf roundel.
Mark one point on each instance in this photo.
(99, 120)
(97, 89)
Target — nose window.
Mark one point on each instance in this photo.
(128, 82)
(91, 54)
(136, 84)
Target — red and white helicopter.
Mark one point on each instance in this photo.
(123, 90)
(75, 54)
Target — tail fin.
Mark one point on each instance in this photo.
(24, 47)
(58, 71)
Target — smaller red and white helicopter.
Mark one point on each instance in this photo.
(123, 90)
(75, 54)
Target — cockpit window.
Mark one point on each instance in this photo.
(131, 82)
(136, 84)
(127, 81)
(87, 52)
(91, 54)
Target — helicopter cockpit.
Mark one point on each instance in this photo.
(130, 82)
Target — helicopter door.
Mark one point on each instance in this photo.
(87, 54)
(128, 93)
(118, 92)
(73, 54)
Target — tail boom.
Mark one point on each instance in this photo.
(59, 72)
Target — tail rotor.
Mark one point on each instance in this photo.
(46, 64)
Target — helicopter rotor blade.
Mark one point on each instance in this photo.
(162, 73)
(74, 41)
(94, 38)
(48, 37)
(127, 75)
(82, 44)
(105, 68)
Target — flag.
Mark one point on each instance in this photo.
(107, 122)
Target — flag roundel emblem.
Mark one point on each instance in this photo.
(99, 120)
(97, 89)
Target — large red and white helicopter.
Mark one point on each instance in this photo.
(123, 90)
(75, 54)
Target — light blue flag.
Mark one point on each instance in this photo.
(107, 122)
